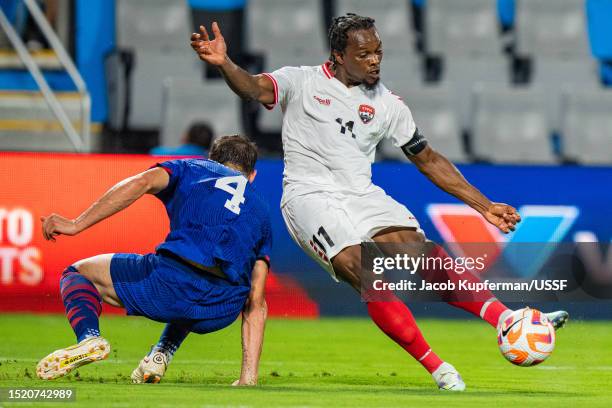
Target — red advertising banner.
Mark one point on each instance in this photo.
(35, 185)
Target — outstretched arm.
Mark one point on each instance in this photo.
(120, 196)
(446, 176)
(214, 52)
(253, 324)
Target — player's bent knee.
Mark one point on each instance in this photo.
(88, 272)
(67, 275)
(70, 269)
(97, 271)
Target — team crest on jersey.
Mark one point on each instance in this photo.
(366, 113)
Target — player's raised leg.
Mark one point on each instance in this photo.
(83, 287)
(484, 304)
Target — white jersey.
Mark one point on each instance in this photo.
(330, 132)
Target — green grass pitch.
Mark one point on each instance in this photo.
(327, 363)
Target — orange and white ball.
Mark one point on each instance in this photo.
(526, 337)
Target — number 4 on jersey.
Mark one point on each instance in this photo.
(237, 193)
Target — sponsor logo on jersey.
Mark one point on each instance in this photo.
(322, 101)
(366, 113)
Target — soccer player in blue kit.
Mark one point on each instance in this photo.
(211, 267)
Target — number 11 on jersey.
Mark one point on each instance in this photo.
(237, 193)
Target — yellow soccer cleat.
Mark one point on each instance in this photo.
(63, 361)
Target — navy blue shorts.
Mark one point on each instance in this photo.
(166, 290)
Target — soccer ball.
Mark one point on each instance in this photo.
(526, 337)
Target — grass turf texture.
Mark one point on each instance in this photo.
(328, 362)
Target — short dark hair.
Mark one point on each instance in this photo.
(201, 134)
(341, 26)
(235, 149)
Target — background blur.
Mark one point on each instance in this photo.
(514, 91)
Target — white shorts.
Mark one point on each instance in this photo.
(324, 223)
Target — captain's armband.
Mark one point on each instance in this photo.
(415, 145)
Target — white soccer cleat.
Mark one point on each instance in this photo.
(63, 361)
(558, 318)
(151, 368)
(447, 378)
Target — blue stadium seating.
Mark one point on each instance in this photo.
(599, 18)
(505, 9)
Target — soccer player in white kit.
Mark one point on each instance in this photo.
(334, 115)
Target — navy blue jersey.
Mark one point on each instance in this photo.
(216, 218)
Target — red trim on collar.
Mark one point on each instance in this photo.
(328, 73)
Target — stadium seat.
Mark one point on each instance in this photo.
(553, 35)
(463, 73)
(401, 71)
(185, 102)
(552, 75)
(505, 11)
(156, 32)
(463, 28)
(393, 22)
(552, 28)
(587, 126)
(435, 117)
(509, 125)
(153, 25)
(466, 35)
(599, 15)
(150, 70)
(293, 27)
